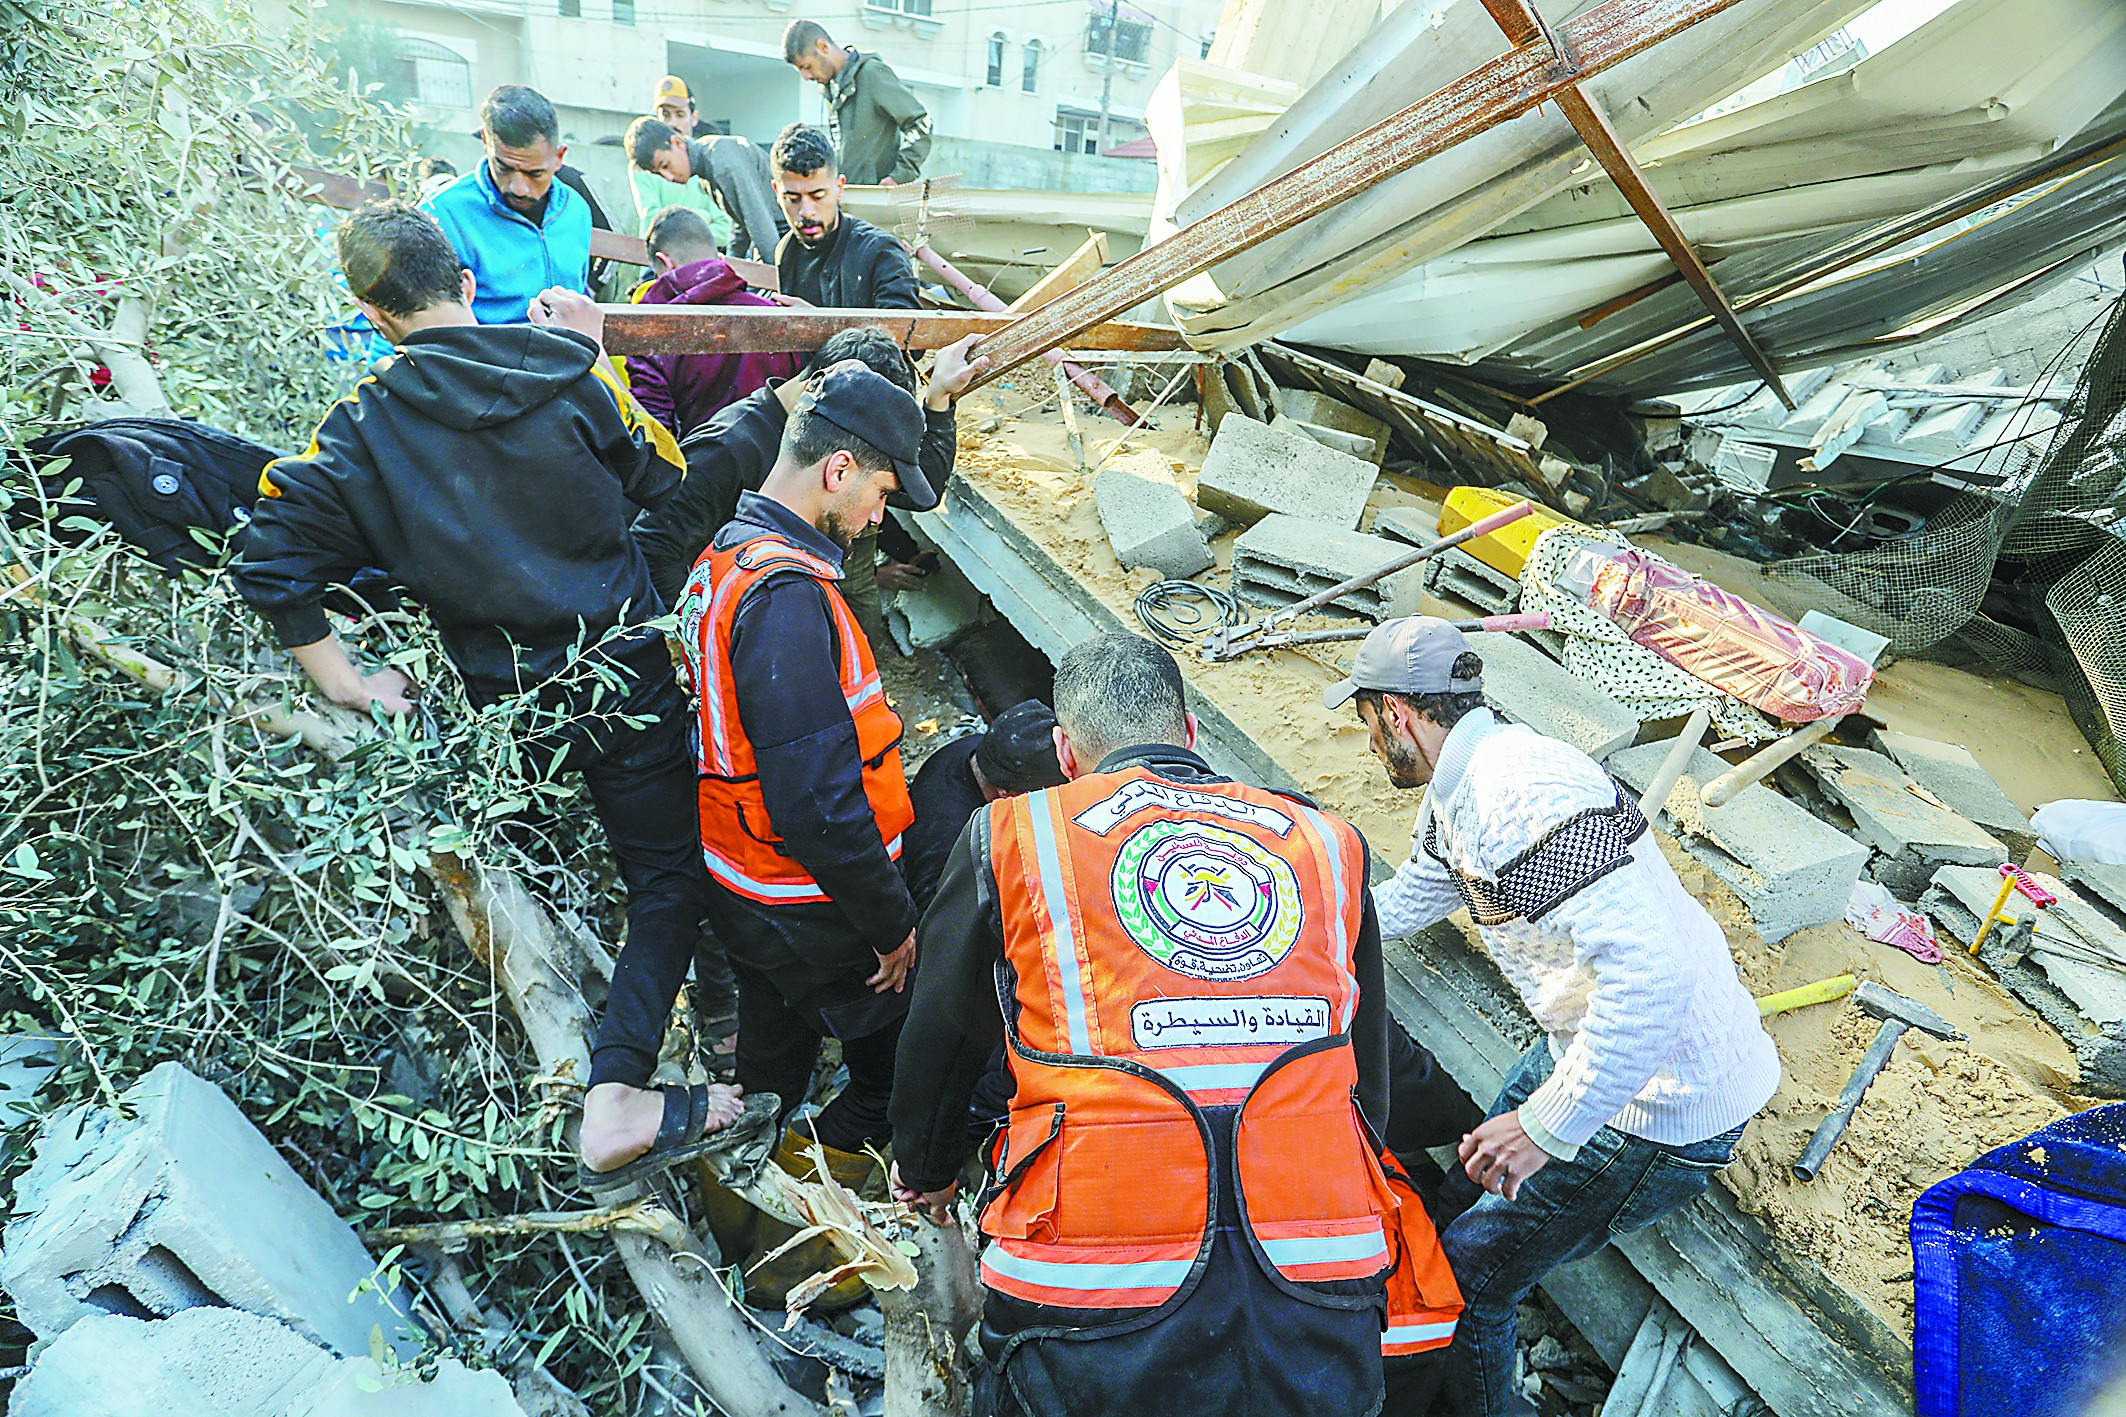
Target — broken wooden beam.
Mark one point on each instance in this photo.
(983, 298)
(739, 329)
(1516, 82)
(1523, 24)
(1075, 269)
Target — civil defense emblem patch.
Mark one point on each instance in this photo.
(1204, 901)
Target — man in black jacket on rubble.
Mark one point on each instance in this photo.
(492, 471)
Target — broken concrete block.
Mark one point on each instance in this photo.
(1336, 438)
(183, 1204)
(2104, 885)
(2071, 968)
(1528, 428)
(1283, 559)
(1254, 470)
(1915, 837)
(1950, 772)
(1380, 371)
(1151, 524)
(1665, 489)
(1417, 525)
(1319, 411)
(1530, 687)
(227, 1363)
(1791, 870)
(1457, 573)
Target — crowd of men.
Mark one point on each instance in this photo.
(1141, 1004)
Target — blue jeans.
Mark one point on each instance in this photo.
(1500, 1249)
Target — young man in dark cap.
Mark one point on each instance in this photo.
(1016, 753)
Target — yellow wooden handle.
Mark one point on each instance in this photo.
(1821, 992)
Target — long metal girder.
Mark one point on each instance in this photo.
(755, 329)
(1523, 24)
(1512, 84)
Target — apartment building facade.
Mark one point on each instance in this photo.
(1005, 83)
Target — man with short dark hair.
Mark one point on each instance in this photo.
(1654, 1056)
(1186, 1213)
(732, 452)
(880, 128)
(803, 799)
(513, 225)
(731, 170)
(1016, 753)
(684, 391)
(492, 471)
(831, 258)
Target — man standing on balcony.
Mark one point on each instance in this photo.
(881, 130)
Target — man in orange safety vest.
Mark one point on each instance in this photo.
(1186, 1210)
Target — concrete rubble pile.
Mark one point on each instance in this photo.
(167, 1248)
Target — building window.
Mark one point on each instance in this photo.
(901, 7)
(996, 61)
(422, 71)
(571, 9)
(1119, 37)
(623, 12)
(1030, 75)
(1208, 41)
(1077, 131)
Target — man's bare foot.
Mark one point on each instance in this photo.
(620, 1122)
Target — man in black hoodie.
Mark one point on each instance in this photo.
(492, 471)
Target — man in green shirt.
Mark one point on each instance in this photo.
(881, 130)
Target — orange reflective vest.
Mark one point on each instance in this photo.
(1178, 948)
(739, 843)
(1424, 1302)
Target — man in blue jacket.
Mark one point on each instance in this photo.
(516, 229)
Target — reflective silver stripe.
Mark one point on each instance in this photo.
(1343, 937)
(865, 692)
(731, 876)
(1327, 1249)
(717, 750)
(1142, 1274)
(1057, 899)
(1416, 1333)
(1214, 1077)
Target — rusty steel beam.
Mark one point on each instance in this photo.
(1512, 84)
(741, 329)
(1523, 24)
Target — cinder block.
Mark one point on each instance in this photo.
(1254, 471)
(1283, 559)
(1791, 870)
(1915, 837)
(1530, 687)
(1950, 772)
(1323, 412)
(227, 1363)
(1342, 442)
(1417, 525)
(1455, 572)
(1150, 524)
(183, 1204)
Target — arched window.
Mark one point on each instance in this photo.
(1030, 72)
(423, 71)
(996, 60)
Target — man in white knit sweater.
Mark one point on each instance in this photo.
(1654, 1056)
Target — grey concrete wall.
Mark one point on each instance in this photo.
(1010, 166)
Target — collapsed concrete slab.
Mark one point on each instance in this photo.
(1530, 687)
(2105, 886)
(2071, 969)
(1360, 434)
(227, 1363)
(1254, 471)
(1283, 559)
(183, 1204)
(1915, 837)
(1950, 772)
(1150, 524)
(1791, 870)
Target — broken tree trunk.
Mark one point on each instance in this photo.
(927, 1326)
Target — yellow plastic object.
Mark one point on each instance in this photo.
(1507, 548)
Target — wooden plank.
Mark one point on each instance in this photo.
(738, 329)
(1510, 85)
(1075, 269)
(1523, 25)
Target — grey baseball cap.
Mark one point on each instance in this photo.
(1413, 655)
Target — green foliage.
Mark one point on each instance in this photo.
(176, 883)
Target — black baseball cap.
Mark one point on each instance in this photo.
(862, 402)
(1018, 753)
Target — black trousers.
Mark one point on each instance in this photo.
(642, 786)
(778, 1047)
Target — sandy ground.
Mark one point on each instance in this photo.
(1937, 1105)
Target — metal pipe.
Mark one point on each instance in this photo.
(984, 298)
(1656, 793)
